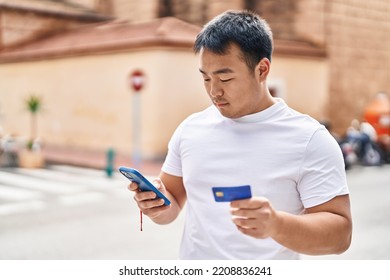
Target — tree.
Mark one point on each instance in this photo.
(34, 105)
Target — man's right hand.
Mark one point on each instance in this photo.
(147, 201)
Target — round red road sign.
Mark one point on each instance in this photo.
(137, 80)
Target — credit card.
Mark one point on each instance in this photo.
(227, 194)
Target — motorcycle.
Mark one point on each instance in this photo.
(361, 150)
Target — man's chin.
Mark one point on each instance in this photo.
(226, 113)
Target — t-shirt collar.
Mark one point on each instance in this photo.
(262, 115)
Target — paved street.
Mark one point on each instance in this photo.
(76, 213)
(66, 212)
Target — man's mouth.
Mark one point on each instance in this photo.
(221, 104)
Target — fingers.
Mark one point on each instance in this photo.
(255, 213)
(133, 186)
(253, 208)
(252, 232)
(158, 183)
(154, 212)
(147, 201)
(253, 217)
(253, 227)
(244, 222)
(251, 203)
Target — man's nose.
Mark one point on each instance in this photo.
(216, 90)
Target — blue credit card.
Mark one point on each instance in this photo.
(227, 194)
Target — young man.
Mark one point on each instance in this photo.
(300, 201)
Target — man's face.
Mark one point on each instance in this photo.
(232, 87)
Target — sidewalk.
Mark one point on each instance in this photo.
(96, 160)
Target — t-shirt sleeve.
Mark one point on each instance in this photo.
(322, 174)
(172, 164)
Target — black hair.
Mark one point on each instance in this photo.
(246, 29)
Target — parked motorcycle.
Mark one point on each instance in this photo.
(361, 150)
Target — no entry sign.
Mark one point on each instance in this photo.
(137, 80)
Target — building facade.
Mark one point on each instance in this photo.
(355, 35)
(330, 58)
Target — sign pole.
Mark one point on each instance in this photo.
(136, 120)
(137, 82)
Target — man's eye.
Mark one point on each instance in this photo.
(226, 80)
(206, 79)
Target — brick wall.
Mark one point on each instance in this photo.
(25, 21)
(280, 15)
(135, 10)
(355, 33)
(358, 46)
(19, 27)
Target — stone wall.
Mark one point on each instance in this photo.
(355, 34)
(134, 11)
(358, 46)
(19, 27)
(26, 21)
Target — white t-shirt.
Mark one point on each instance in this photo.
(285, 156)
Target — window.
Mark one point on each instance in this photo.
(165, 8)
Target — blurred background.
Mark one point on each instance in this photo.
(88, 85)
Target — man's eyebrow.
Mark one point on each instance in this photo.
(219, 71)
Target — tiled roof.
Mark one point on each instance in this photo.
(298, 48)
(45, 6)
(109, 36)
(122, 35)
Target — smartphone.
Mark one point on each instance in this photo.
(143, 183)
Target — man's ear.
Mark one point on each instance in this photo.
(262, 68)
